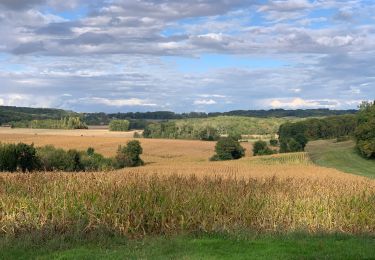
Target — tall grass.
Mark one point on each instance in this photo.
(137, 205)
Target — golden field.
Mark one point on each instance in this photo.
(165, 156)
(179, 190)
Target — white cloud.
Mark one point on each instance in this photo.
(204, 102)
(301, 103)
(118, 102)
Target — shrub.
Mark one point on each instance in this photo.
(90, 151)
(261, 148)
(290, 146)
(21, 156)
(228, 149)
(96, 162)
(27, 159)
(129, 155)
(54, 159)
(8, 157)
(119, 125)
(274, 142)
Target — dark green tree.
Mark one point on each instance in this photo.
(365, 132)
(129, 155)
(261, 148)
(27, 159)
(228, 149)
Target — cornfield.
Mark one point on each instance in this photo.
(180, 191)
(136, 205)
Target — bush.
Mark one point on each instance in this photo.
(274, 142)
(290, 146)
(21, 156)
(261, 148)
(8, 157)
(25, 157)
(92, 161)
(228, 149)
(119, 125)
(55, 159)
(129, 155)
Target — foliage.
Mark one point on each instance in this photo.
(102, 118)
(274, 142)
(291, 145)
(129, 155)
(365, 132)
(25, 157)
(209, 134)
(261, 148)
(119, 125)
(213, 128)
(324, 128)
(18, 157)
(57, 159)
(64, 123)
(228, 149)
(15, 114)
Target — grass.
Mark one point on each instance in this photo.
(292, 246)
(341, 156)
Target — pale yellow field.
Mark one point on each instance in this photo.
(182, 157)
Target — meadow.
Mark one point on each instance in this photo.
(179, 193)
(342, 156)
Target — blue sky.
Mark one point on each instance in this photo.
(192, 55)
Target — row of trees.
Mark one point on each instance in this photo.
(64, 123)
(171, 130)
(99, 118)
(293, 137)
(27, 158)
(119, 125)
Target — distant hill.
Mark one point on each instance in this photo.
(11, 113)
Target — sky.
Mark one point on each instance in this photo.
(190, 55)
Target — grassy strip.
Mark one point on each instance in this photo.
(295, 246)
(341, 156)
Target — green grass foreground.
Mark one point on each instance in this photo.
(341, 156)
(296, 246)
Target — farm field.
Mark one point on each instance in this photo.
(179, 191)
(341, 156)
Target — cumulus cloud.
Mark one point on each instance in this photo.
(205, 102)
(118, 102)
(111, 54)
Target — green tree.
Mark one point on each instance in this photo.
(261, 148)
(129, 155)
(228, 149)
(27, 159)
(119, 125)
(365, 132)
(8, 157)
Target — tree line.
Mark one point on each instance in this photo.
(15, 114)
(64, 123)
